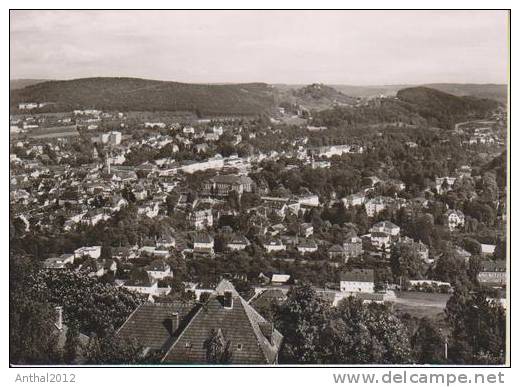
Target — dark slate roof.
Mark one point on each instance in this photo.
(203, 250)
(157, 265)
(268, 296)
(140, 278)
(148, 323)
(307, 243)
(239, 240)
(240, 324)
(493, 266)
(166, 239)
(231, 179)
(202, 238)
(336, 249)
(386, 224)
(358, 275)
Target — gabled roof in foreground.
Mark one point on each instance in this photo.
(148, 323)
(252, 339)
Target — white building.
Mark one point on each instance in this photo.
(310, 200)
(307, 246)
(333, 150)
(149, 287)
(165, 242)
(88, 251)
(201, 219)
(380, 239)
(152, 125)
(238, 243)
(27, 105)
(306, 229)
(203, 243)
(357, 281)
(216, 162)
(444, 181)
(274, 245)
(356, 199)
(280, 279)
(386, 227)
(376, 205)
(58, 262)
(151, 210)
(159, 270)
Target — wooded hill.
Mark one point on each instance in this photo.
(413, 106)
(134, 94)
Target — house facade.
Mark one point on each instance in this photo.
(493, 273)
(222, 185)
(386, 227)
(357, 280)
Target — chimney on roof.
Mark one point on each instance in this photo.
(59, 317)
(228, 299)
(172, 323)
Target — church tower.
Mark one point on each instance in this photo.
(107, 162)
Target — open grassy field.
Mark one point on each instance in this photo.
(421, 304)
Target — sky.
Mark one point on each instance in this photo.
(293, 47)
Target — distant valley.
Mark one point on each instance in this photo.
(492, 91)
(438, 104)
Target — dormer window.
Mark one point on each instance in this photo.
(187, 344)
(239, 347)
(228, 300)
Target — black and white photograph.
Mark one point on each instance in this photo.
(245, 188)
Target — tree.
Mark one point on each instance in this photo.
(358, 333)
(428, 343)
(406, 262)
(383, 276)
(472, 246)
(301, 319)
(450, 268)
(351, 333)
(96, 306)
(422, 229)
(489, 187)
(500, 249)
(111, 349)
(474, 267)
(106, 252)
(72, 344)
(32, 334)
(478, 329)
(233, 200)
(218, 350)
